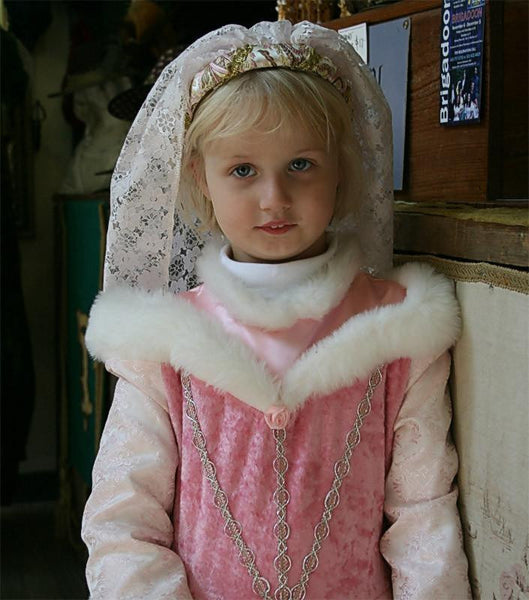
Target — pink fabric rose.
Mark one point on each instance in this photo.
(276, 417)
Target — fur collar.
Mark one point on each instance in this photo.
(310, 299)
(137, 325)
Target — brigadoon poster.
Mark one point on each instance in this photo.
(462, 33)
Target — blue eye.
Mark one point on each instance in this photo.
(300, 164)
(243, 171)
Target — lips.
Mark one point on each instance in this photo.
(276, 227)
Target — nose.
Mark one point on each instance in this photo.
(274, 194)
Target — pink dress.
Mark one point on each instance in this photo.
(196, 496)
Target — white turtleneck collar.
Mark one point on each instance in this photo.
(272, 277)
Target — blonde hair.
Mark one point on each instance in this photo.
(266, 100)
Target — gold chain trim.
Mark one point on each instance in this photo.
(233, 529)
(282, 562)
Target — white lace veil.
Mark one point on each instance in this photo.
(147, 244)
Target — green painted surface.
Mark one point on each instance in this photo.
(82, 231)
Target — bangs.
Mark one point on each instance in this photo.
(268, 100)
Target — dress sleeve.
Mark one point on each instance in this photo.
(127, 525)
(424, 543)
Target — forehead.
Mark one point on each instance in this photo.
(280, 139)
(284, 140)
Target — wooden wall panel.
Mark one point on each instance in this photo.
(448, 163)
(474, 162)
(515, 109)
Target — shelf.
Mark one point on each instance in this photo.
(497, 234)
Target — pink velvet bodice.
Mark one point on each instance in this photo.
(242, 447)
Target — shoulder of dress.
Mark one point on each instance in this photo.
(413, 310)
(371, 292)
(417, 272)
(416, 317)
(417, 277)
(429, 311)
(144, 375)
(413, 297)
(135, 324)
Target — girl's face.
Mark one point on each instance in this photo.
(273, 194)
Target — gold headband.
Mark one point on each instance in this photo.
(249, 58)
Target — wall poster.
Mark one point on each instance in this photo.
(462, 32)
(385, 47)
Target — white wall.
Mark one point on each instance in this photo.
(37, 254)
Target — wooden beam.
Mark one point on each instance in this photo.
(416, 232)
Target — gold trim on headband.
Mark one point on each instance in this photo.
(248, 58)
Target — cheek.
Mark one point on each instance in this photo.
(326, 197)
(227, 213)
(319, 213)
(326, 211)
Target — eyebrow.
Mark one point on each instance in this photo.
(314, 149)
(295, 153)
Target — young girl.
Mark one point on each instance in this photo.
(279, 431)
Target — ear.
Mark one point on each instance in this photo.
(199, 174)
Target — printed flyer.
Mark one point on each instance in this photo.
(462, 32)
(385, 49)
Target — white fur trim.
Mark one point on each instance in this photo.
(310, 299)
(137, 325)
(424, 324)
